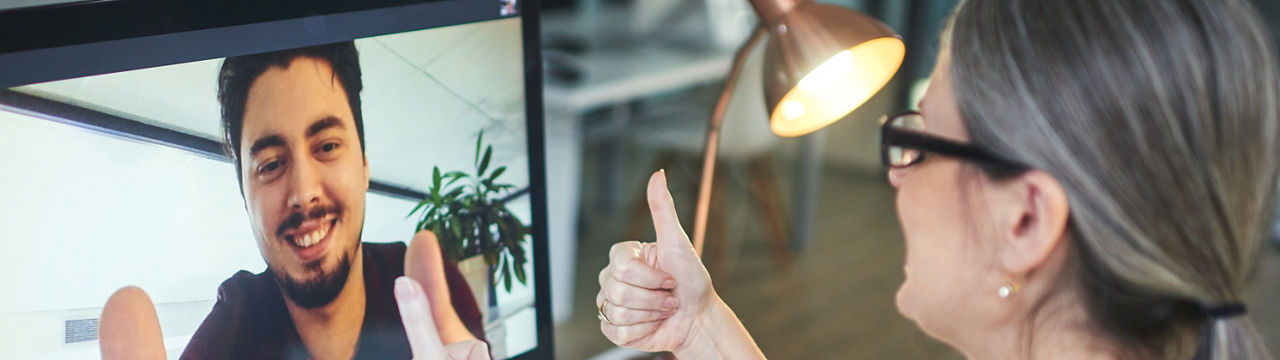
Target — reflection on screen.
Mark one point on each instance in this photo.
(90, 211)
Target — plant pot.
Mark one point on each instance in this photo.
(476, 272)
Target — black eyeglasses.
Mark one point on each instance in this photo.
(903, 142)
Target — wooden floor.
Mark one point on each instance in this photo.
(836, 301)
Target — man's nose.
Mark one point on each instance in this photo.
(304, 185)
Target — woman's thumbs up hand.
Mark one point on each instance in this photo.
(652, 294)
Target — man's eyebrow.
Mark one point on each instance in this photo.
(265, 142)
(329, 121)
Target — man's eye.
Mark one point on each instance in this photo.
(327, 147)
(269, 167)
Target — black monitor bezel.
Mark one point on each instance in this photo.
(96, 37)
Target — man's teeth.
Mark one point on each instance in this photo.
(311, 238)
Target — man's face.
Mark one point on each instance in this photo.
(304, 178)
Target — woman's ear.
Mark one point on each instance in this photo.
(1034, 213)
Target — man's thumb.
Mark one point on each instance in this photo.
(665, 222)
(419, 326)
(129, 328)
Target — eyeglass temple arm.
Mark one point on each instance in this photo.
(910, 139)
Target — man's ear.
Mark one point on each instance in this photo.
(366, 172)
(1034, 221)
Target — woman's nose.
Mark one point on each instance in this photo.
(895, 176)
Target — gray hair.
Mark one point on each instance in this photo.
(1160, 119)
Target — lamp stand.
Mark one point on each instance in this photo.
(713, 139)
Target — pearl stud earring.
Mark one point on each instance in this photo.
(1009, 288)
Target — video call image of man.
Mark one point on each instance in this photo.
(294, 130)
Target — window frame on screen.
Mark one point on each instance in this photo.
(80, 39)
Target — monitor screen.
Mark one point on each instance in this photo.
(265, 179)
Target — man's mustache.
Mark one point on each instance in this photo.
(295, 219)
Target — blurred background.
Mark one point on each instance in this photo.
(803, 241)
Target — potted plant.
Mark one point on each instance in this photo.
(469, 216)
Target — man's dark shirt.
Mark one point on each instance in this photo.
(250, 320)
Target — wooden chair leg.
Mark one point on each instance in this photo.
(764, 188)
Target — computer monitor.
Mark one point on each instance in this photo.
(210, 153)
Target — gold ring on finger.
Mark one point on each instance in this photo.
(600, 312)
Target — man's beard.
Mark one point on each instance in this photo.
(319, 291)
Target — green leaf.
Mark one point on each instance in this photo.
(496, 173)
(456, 246)
(452, 196)
(520, 275)
(506, 269)
(490, 258)
(499, 270)
(422, 203)
(454, 176)
(431, 214)
(484, 162)
(517, 227)
(435, 179)
(479, 140)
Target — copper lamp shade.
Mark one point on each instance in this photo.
(822, 62)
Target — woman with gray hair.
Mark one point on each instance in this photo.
(1083, 179)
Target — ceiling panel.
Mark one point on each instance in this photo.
(182, 97)
(483, 65)
(426, 95)
(423, 47)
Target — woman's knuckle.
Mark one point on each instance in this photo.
(616, 248)
(620, 295)
(618, 315)
(609, 332)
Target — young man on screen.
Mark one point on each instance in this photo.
(295, 133)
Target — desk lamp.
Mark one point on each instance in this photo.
(822, 62)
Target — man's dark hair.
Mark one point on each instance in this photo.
(239, 72)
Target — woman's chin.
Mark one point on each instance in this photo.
(899, 300)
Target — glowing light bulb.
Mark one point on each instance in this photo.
(832, 74)
(792, 109)
(836, 86)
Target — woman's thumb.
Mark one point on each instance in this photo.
(665, 222)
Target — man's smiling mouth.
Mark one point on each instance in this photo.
(306, 240)
(307, 231)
